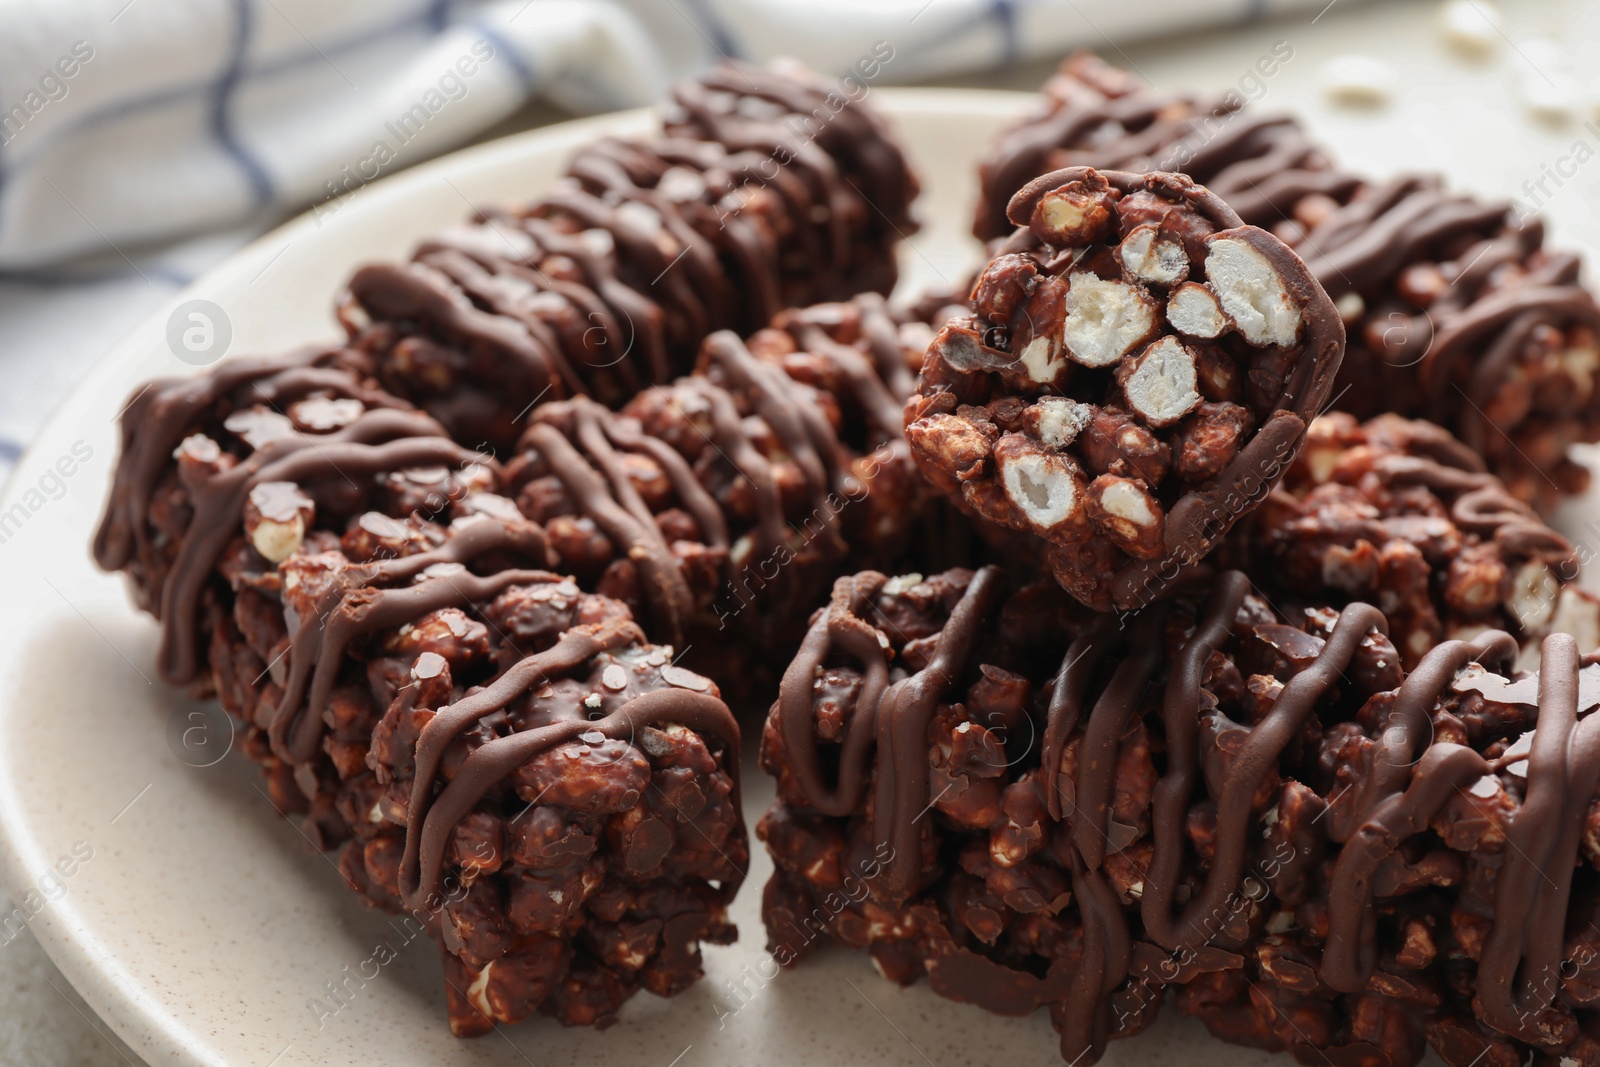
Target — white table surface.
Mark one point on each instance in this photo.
(1447, 113)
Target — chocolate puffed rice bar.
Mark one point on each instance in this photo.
(1456, 310)
(1264, 816)
(1138, 371)
(767, 189)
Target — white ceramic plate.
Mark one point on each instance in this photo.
(200, 925)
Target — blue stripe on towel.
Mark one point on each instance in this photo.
(221, 101)
(248, 72)
(1004, 12)
(1001, 14)
(503, 47)
(705, 19)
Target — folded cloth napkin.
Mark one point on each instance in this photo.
(124, 122)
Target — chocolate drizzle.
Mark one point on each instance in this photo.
(1443, 344)
(1264, 744)
(891, 719)
(839, 626)
(1470, 335)
(1505, 321)
(854, 144)
(1180, 708)
(735, 423)
(384, 437)
(1409, 780)
(802, 430)
(610, 282)
(433, 817)
(903, 715)
(1518, 975)
(884, 379)
(1480, 504)
(1185, 701)
(1372, 510)
(371, 597)
(383, 440)
(580, 442)
(152, 422)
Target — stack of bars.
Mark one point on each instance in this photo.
(1144, 678)
(1457, 313)
(464, 656)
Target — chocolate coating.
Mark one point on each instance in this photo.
(782, 456)
(747, 204)
(386, 435)
(433, 818)
(1456, 311)
(900, 662)
(319, 552)
(1400, 513)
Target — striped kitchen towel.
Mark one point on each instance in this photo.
(124, 122)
